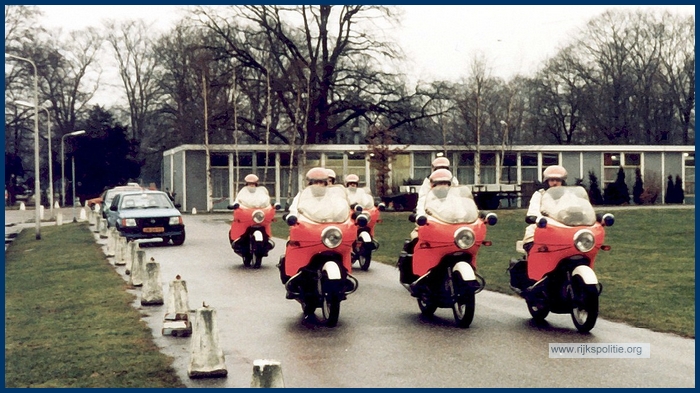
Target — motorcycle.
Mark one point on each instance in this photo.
(250, 233)
(442, 270)
(557, 276)
(316, 267)
(365, 242)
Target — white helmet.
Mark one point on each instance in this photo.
(251, 178)
(317, 173)
(441, 175)
(352, 178)
(331, 173)
(441, 162)
(555, 172)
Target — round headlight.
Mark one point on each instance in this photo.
(464, 238)
(331, 237)
(584, 240)
(258, 216)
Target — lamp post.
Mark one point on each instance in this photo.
(63, 173)
(48, 120)
(37, 185)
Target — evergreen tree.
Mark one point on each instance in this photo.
(678, 190)
(638, 187)
(670, 191)
(594, 193)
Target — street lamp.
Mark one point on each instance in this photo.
(37, 185)
(48, 119)
(63, 173)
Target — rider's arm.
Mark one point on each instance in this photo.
(422, 192)
(535, 203)
(293, 209)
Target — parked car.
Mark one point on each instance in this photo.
(105, 200)
(147, 215)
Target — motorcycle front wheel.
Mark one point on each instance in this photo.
(584, 312)
(364, 258)
(463, 306)
(258, 261)
(247, 259)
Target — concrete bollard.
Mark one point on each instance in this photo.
(97, 208)
(138, 269)
(95, 221)
(41, 212)
(267, 374)
(206, 356)
(59, 219)
(102, 227)
(111, 241)
(152, 291)
(131, 247)
(22, 206)
(83, 215)
(56, 205)
(194, 210)
(176, 320)
(121, 251)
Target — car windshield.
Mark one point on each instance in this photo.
(569, 205)
(254, 197)
(145, 201)
(361, 197)
(324, 203)
(451, 204)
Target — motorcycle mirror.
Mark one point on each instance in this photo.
(608, 219)
(382, 207)
(491, 219)
(362, 220)
(531, 219)
(358, 208)
(291, 220)
(542, 223)
(234, 206)
(412, 217)
(422, 220)
(278, 206)
(230, 207)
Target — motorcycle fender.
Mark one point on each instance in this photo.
(586, 273)
(365, 237)
(257, 235)
(332, 270)
(465, 270)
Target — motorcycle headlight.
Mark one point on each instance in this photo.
(464, 238)
(584, 240)
(331, 237)
(258, 216)
(175, 221)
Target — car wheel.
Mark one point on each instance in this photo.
(179, 239)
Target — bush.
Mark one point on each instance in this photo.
(651, 190)
(638, 187)
(594, 193)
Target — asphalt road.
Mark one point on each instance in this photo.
(381, 340)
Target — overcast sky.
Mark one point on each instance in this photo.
(438, 40)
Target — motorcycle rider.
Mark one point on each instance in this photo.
(352, 180)
(251, 181)
(331, 177)
(438, 163)
(554, 176)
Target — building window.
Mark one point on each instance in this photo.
(421, 165)
(265, 169)
(612, 163)
(334, 161)
(509, 172)
(528, 167)
(465, 168)
(356, 165)
(488, 168)
(219, 178)
(689, 177)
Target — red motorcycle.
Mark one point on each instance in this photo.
(558, 275)
(250, 233)
(316, 266)
(365, 242)
(442, 270)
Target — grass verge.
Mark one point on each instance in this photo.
(69, 321)
(648, 276)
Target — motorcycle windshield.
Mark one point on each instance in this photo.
(324, 204)
(568, 205)
(360, 197)
(254, 197)
(451, 204)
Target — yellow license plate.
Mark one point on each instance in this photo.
(154, 230)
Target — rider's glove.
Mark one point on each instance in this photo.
(421, 220)
(236, 205)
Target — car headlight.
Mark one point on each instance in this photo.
(584, 240)
(175, 220)
(128, 222)
(331, 237)
(258, 216)
(464, 238)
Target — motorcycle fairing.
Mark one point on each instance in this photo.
(305, 242)
(243, 219)
(436, 240)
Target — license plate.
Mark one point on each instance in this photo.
(154, 230)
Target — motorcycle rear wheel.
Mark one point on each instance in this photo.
(537, 308)
(584, 312)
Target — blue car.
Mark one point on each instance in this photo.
(147, 215)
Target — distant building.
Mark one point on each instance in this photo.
(184, 169)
